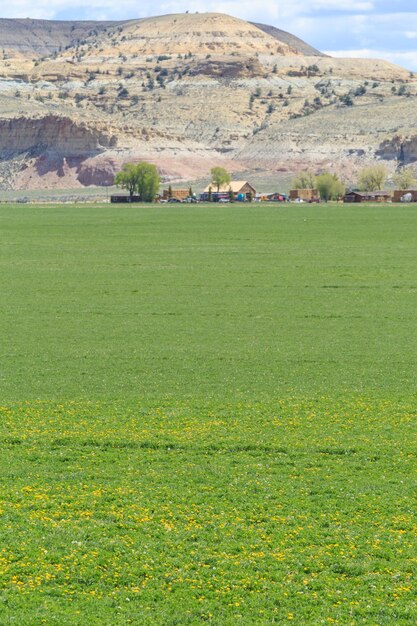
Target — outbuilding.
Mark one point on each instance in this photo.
(304, 195)
(277, 197)
(367, 196)
(410, 195)
(177, 194)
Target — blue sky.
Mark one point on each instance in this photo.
(364, 28)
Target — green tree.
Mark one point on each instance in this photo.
(190, 192)
(142, 178)
(405, 179)
(210, 194)
(231, 195)
(148, 181)
(304, 180)
(170, 191)
(127, 178)
(372, 178)
(220, 177)
(329, 186)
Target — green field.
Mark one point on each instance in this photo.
(208, 414)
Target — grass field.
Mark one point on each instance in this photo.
(208, 414)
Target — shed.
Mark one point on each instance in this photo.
(277, 197)
(178, 194)
(306, 195)
(400, 193)
(367, 196)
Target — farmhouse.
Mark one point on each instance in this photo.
(306, 195)
(367, 196)
(400, 193)
(241, 190)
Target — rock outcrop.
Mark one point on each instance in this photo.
(51, 134)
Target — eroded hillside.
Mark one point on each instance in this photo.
(189, 91)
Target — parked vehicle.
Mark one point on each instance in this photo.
(174, 201)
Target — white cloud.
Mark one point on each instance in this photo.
(389, 32)
(49, 9)
(343, 5)
(42, 9)
(404, 59)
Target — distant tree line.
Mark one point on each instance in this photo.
(143, 179)
(371, 178)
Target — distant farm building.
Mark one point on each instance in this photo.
(306, 195)
(241, 189)
(272, 197)
(401, 195)
(177, 194)
(277, 197)
(367, 196)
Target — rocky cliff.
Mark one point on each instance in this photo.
(51, 134)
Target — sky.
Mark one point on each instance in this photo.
(385, 29)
